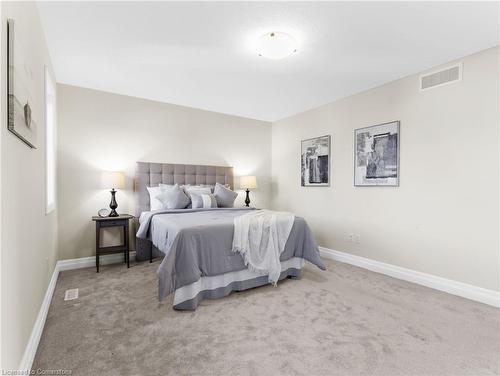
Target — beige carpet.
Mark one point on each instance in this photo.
(345, 321)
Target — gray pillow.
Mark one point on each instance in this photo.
(203, 201)
(224, 196)
(174, 198)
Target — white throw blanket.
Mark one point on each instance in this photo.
(260, 237)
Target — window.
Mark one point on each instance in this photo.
(50, 141)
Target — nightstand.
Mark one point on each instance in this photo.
(102, 222)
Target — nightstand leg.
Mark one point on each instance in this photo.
(97, 244)
(127, 246)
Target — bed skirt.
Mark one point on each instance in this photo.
(143, 249)
(214, 287)
(189, 297)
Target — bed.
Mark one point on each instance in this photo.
(196, 244)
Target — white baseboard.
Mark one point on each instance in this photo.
(87, 262)
(36, 332)
(464, 290)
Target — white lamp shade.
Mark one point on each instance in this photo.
(112, 179)
(248, 182)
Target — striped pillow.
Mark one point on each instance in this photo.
(203, 201)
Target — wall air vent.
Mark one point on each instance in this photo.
(442, 77)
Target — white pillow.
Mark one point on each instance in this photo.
(154, 192)
(196, 189)
(203, 201)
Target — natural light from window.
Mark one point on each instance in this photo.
(50, 141)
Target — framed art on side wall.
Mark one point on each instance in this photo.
(315, 162)
(22, 112)
(376, 155)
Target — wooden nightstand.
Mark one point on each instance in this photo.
(120, 221)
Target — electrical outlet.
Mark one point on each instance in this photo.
(354, 238)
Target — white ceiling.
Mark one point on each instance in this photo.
(200, 54)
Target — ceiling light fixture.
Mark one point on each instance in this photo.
(276, 45)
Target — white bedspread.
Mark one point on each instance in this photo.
(260, 237)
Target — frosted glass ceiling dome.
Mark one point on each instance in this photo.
(276, 45)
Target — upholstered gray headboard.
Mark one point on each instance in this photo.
(151, 174)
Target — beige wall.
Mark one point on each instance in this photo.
(443, 219)
(102, 131)
(28, 235)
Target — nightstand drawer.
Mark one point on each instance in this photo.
(115, 222)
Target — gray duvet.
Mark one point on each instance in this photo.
(198, 242)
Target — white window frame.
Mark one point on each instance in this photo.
(50, 142)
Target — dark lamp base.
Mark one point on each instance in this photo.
(113, 205)
(247, 199)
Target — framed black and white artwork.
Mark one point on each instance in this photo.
(22, 112)
(376, 155)
(315, 162)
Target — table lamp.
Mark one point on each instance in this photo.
(113, 180)
(248, 182)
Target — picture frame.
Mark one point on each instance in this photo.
(377, 155)
(22, 113)
(316, 161)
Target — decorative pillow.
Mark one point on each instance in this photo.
(224, 196)
(211, 187)
(196, 189)
(199, 186)
(203, 201)
(174, 198)
(154, 203)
